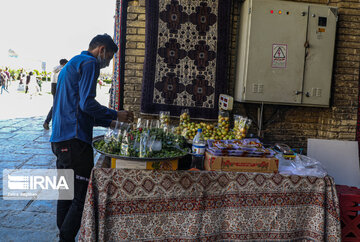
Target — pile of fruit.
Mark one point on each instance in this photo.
(131, 144)
(210, 131)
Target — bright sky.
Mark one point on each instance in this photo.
(48, 30)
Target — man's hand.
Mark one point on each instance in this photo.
(125, 116)
(113, 124)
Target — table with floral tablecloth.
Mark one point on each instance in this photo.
(187, 205)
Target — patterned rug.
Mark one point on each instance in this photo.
(186, 56)
(144, 205)
(116, 91)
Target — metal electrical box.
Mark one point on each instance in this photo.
(285, 53)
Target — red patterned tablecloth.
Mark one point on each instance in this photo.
(182, 205)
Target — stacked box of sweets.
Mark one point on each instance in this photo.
(249, 147)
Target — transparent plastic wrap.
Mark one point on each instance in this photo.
(154, 124)
(115, 134)
(222, 131)
(164, 118)
(184, 117)
(143, 149)
(302, 166)
(139, 123)
(224, 120)
(109, 135)
(239, 148)
(143, 124)
(125, 144)
(241, 126)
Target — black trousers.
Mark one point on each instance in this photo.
(77, 155)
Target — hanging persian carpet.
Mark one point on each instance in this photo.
(116, 91)
(358, 122)
(186, 56)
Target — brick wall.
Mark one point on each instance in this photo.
(289, 124)
(134, 55)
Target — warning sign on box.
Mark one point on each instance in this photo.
(279, 56)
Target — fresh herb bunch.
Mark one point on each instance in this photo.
(172, 145)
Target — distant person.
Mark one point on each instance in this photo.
(54, 79)
(75, 113)
(33, 86)
(27, 81)
(22, 78)
(8, 80)
(3, 81)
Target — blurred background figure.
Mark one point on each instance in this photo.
(27, 81)
(22, 80)
(7, 76)
(3, 79)
(54, 79)
(33, 86)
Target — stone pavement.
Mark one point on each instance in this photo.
(24, 144)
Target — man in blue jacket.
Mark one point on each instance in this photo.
(75, 113)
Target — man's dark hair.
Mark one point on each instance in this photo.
(103, 39)
(63, 61)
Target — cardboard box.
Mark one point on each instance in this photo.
(169, 165)
(241, 164)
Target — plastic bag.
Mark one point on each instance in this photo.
(125, 144)
(164, 118)
(184, 117)
(302, 166)
(241, 126)
(224, 120)
(154, 124)
(144, 139)
(108, 135)
(140, 123)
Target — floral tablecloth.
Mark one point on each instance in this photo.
(183, 205)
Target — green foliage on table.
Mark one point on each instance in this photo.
(172, 145)
(107, 81)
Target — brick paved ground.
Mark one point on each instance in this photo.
(24, 144)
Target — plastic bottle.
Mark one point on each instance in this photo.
(198, 150)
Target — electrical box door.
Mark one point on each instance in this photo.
(319, 55)
(281, 48)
